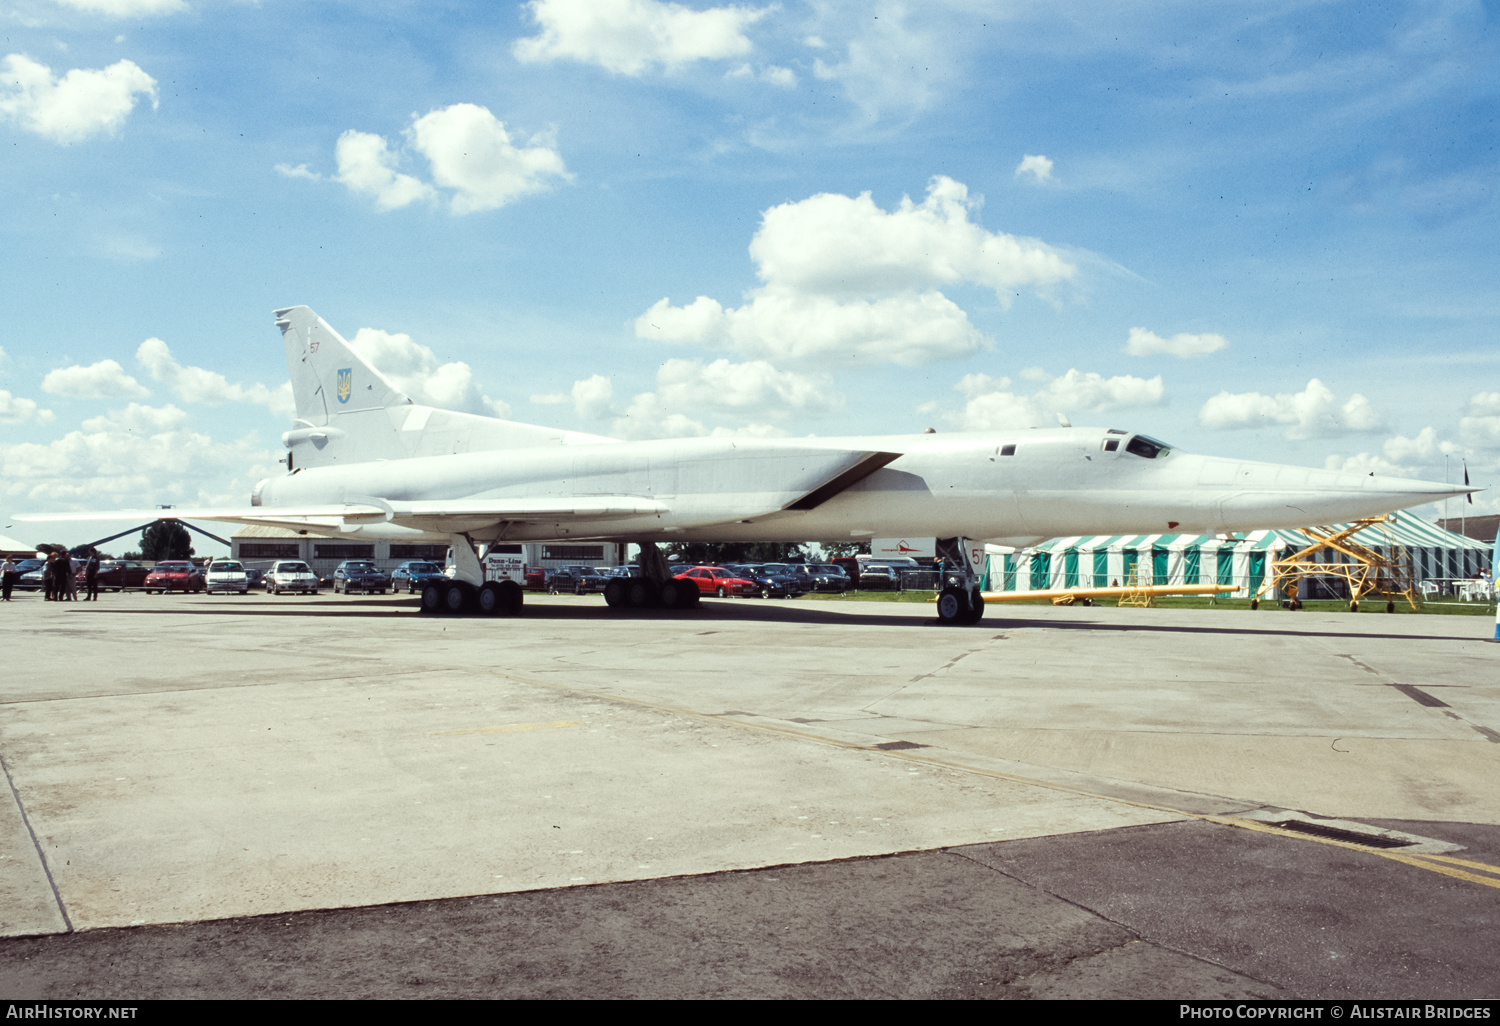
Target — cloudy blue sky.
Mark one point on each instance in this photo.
(1264, 229)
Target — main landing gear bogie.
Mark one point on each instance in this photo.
(640, 593)
(493, 598)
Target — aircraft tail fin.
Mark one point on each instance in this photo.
(328, 377)
(348, 412)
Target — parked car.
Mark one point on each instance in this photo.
(291, 575)
(359, 575)
(827, 577)
(767, 585)
(716, 580)
(174, 575)
(795, 585)
(31, 574)
(536, 578)
(254, 577)
(117, 575)
(586, 579)
(226, 575)
(879, 577)
(414, 574)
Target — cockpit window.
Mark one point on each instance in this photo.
(1147, 447)
(1111, 444)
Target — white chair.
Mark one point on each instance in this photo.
(1428, 588)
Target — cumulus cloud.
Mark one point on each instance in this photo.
(1314, 412)
(138, 456)
(994, 404)
(1149, 343)
(689, 392)
(469, 151)
(198, 385)
(894, 64)
(755, 385)
(15, 410)
(126, 8)
(1035, 165)
(367, 165)
(103, 380)
(844, 280)
(472, 154)
(1480, 426)
(414, 369)
(80, 104)
(631, 37)
(771, 74)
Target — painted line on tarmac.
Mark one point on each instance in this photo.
(1428, 862)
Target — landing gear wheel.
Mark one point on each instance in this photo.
(1354, 607)
(1390, 607)
(511, 598)
(615, 594)
(975, 610)
(674, 595)
(1255, 603)
(432, 598)
(643, 594)
(489, 600)
(458, 597)
(952, 604)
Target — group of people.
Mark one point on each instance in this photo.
(59, 577)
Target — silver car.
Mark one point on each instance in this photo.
(226, 575)
(291, 575)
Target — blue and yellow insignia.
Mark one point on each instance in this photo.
(346, 384)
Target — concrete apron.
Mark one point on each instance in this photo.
(370, 755)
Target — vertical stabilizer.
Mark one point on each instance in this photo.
(347, 412)
(328, 377)
(342, 402)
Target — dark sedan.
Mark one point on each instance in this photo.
(413, 575)
(117, 575)
(360, 575)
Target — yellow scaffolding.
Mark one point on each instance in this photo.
(1365, 570)
(1138, 589)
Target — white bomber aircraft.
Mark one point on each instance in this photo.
(367, 462)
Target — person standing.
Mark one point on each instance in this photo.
(49, 577)
(8, 575)
(91, 576)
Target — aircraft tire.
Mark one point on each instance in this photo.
(975, 612)
(952, 604)
(511, 598)
(675, 596)
(614, 594)
(643, 594)
(489, 601)
(432, 598)
(458, 597)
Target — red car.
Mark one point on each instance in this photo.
(173, 575)
(714, 580)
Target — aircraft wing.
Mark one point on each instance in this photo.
(365, 510)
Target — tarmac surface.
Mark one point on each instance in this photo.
(338, 796)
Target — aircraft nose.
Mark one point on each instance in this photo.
(1269, 495)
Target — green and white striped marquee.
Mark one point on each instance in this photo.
(1109, 561)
